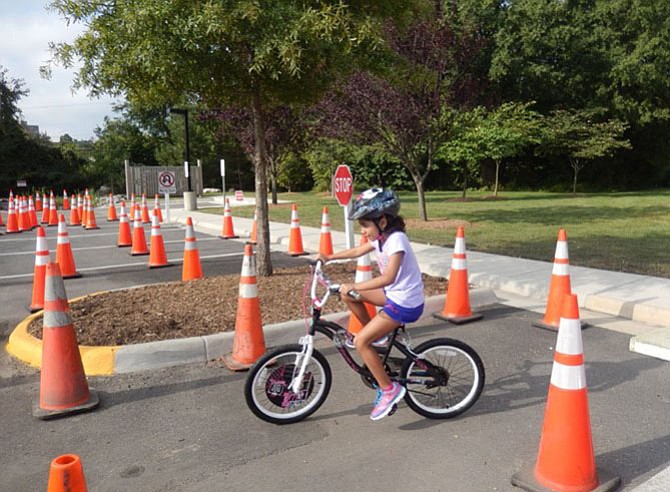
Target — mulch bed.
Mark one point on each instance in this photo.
(199, 307)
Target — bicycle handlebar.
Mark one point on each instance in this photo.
(321, 277)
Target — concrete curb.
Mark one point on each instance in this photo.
(108, 360)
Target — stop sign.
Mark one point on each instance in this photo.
(343, 185)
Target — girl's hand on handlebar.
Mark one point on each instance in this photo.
(323, 257)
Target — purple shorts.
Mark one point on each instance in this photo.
(402, 314)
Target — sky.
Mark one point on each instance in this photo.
(26, 28)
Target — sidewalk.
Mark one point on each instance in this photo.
(517, 281)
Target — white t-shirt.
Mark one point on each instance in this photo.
(407, 289)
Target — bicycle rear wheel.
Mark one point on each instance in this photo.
(446, 379)
(267, 387)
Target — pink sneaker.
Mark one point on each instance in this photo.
(386, 399)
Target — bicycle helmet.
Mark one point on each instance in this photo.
(375, 203)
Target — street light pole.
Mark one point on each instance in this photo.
(187, 150)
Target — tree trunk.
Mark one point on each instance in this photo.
(263, 259)
(274, 190)
(418, 182)
(575, 168)
(495, 187)
(465, 179)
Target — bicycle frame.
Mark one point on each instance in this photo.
(336, 333)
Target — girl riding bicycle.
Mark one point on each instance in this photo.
(398, 290)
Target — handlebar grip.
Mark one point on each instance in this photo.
(355, 295)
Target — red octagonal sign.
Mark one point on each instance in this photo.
(343, 185)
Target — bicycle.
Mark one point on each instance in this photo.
(444, 377)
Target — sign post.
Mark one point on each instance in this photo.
(343, 189)
(223, 181)
(166, 185)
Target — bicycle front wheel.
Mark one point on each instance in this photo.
(445, 380)
(267, 387)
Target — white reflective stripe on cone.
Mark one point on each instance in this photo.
(56, 319)
(569, 339)
(459, 246)
(459, 264)
(560, 269)
(155, 226)
(248, 291)
(189, 246)
(248, 268)
(568, 377)
(42, 258)
(561, 250)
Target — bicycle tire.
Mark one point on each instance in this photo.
(266, 388)
(459, 383)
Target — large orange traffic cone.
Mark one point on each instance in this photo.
(249, 343)
(12, 219)
(125, 238)
(145, 210)
(565, 461)
(191, 268)
(38, 202)
(66, 201)
(139, 246)
(157, 208)
(295, 236)
(559, 286)
(253, 237)
(111, 209)
(66, 474)
(326, 239)
(75, 217)
(53, 211)
(42, 258)
(63, 386)
(32, 215)
(227, 232)
(91, 223)
(64, 256)
(457, 304)
(157, 256)
(363, 273)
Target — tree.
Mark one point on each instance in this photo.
(505, 131)
(436, 68)
(582, 135)
(218, 54)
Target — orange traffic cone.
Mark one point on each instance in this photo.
(559, 286)
(85, 210)
(24, 218)
(157, 208)
(295, 236)
(32, 215)
(41, 259)
(63, 386)
(363, 273)
(125, 238)
(326, 239)
(80, 209)
(228, 231)
(64, 256)
(145, 210)
(457, 304)
(46, 211)
(111, 210)
(91, 222)
(253, 237)
(75, 218)
(66, 201)
(12, 219)
(66, 474)
(565, 461)
(249, 343)
(38, 202)
(139, 246)
(53, 211)
(157, 256)
(191, 268)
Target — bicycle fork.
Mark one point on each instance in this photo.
(301, 362)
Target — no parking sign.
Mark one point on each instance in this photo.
(167, 182)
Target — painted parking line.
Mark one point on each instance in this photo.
(86, 248)
(125, 265)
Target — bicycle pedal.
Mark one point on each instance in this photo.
(393, 409)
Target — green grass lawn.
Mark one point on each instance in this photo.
(627, 232)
